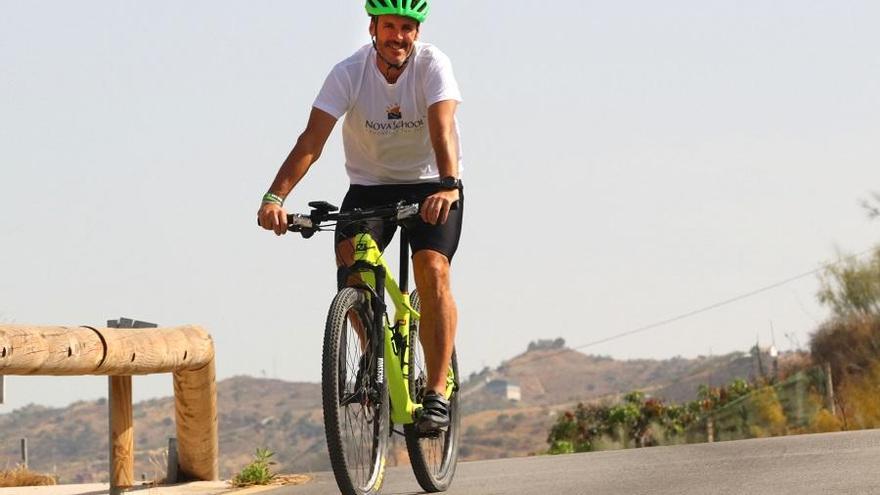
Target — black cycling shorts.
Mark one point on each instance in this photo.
(441, 238)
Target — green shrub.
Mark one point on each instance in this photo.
(257, 472)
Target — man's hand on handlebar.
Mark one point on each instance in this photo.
(435, 208)
(273, 217)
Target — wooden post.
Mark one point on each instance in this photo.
(121, 419)
(121, 434)
(799, 387)
(710, 429)
(173, 462)
(24, 452)
(829, 389)
(195, 401)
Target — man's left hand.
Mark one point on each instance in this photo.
(435, 208)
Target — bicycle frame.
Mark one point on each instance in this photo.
(375, 273)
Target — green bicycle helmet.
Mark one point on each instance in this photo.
(416, 9)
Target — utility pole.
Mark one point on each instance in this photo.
(774, 353)
(758, 355)
(710, 369)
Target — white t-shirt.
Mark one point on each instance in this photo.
(385, 133)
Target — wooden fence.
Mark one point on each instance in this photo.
(186, 351)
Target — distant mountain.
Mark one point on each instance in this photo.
(553, 376)
(286, 417)
(253, 412)
(552, 379)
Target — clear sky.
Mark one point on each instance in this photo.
(625, 162)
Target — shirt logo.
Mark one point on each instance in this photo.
(394, 112)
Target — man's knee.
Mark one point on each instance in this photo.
(344, 261)
(432, 270)
(345, 253)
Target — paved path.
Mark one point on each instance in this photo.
(194, 488)
(838, 463)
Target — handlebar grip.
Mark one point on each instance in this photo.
(294, 220)
(301, 221)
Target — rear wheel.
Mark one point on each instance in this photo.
(433, 459)
(355, 396)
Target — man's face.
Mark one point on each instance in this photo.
(395, 36)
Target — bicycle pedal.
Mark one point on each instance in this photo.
(430, 430)
(432, 434)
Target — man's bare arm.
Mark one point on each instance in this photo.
(441, 127)
(307, 150)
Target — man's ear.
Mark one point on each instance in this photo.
(372, 27)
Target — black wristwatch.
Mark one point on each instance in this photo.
(449, 183)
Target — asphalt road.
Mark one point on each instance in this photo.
(838, 463)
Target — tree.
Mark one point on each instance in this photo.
(546, 344)
(872, 205)
(851, 287)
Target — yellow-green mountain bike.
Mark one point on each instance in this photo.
(374, 374)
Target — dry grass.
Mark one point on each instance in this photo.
(290, 479)
(280, 480)
(851, 346)
(769, 418)
(860, 400)
(22, 476)
(825, 422)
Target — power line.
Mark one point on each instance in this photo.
(704, 309)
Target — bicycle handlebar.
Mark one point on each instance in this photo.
(308, 224)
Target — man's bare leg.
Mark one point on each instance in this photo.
(345, 256)
(439, 315)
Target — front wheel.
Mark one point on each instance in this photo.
(433, 459)
(355, 395)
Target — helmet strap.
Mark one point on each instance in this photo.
(398, 67)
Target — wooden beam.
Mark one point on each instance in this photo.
(49, 350)
(26, 350)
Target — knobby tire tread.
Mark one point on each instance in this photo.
(420, 465)
(346, 300)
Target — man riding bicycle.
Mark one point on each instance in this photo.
(401, 141)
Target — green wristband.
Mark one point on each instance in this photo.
(273, 199)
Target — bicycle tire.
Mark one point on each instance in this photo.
(433, 460)
(355, 402)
